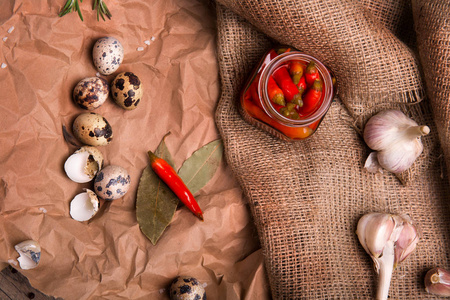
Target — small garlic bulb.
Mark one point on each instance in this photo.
(437, 282)
(396, 138)
(389, 239)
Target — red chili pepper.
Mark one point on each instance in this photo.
(311, 73)
(292, 132)
(302, 85)
(253, 89)
(312, 97)
(275, 93)
(284, 81)
(175, 183)
(296, 71)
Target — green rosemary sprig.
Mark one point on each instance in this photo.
(102, 9)
(99, 5)
(71, 5)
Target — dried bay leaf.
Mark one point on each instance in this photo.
(200, 167)
(155, 202)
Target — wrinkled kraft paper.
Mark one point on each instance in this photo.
(43, 58)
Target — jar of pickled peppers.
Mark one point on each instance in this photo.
(288, 94)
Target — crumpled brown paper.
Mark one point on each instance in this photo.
(43, 57)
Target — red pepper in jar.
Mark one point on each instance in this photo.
(311, 73)
(288, 121)
(291, 132)
(175, 183)
(312, 97)
(253, 90)
(284, 81)
(275, 93)
(296, 71)
(302, 85)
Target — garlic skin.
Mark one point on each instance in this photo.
(396, 138)
(29, 254)
(437, 282)
(388, 239)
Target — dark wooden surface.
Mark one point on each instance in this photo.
(15, 286)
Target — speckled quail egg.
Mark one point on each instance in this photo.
(29, 254)
(83, 164)
(92, 129)
(126, 90)
(91, 92)
(107, 55)
(186, 288)
(84, 206)
(112, 182)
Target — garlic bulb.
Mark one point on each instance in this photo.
(396, 138)
(388, 239)
(437, 282)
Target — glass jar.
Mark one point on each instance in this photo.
(288, 94)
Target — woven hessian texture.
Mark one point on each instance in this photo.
(307, 197)
(432, 23)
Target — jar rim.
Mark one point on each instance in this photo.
(327, 88)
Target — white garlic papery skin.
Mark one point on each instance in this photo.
(396, 138)
(30, 254)
(388, 239)
(437, 282)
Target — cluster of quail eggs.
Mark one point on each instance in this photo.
(93, 130)
(86, 164)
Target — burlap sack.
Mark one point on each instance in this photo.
(307, 197)
(432, 19)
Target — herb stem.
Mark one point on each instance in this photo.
(73, 5)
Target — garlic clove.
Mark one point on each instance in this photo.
(372, 165)
(389, 239)
(83, 165)
(29, 254)
(407, 241)
(437, 282)
(84, 206)
(373, 231)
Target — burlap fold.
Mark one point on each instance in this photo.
(432, 19)
(307, 197)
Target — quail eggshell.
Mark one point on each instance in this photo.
(83, 164)
(29, 254)
(84, 206)
(112, 182)
(126, 90)
(92, 129)
(91, 92)
(186, 288)
(107, 55)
